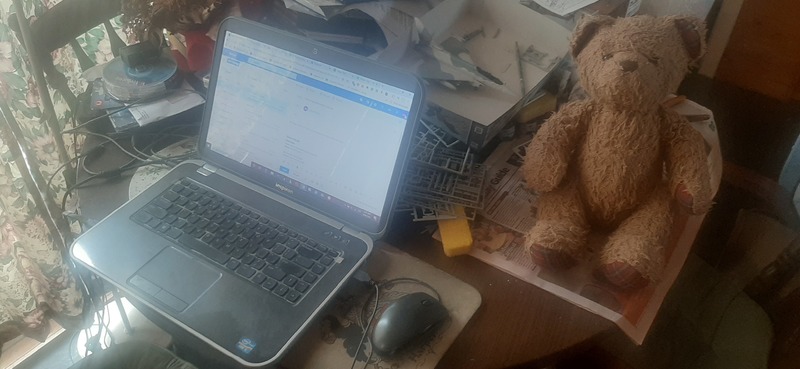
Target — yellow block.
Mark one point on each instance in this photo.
(536, 108)
(455, 233)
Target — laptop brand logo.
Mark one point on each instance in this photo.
(246, 345)
(284, 188)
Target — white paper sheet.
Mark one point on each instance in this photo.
(564, 7)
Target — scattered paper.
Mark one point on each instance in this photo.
(563, 7)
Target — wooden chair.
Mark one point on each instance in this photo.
(58, 27)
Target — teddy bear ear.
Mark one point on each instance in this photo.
(585, 31)
(693, 33)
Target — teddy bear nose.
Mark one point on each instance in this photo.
(628, 65)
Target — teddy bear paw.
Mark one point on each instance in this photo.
(623, 275)
(551, 258)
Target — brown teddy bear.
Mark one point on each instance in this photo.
(615, 161)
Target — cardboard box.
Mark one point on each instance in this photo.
(476, 116)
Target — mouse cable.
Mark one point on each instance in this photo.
(387, 284)
(366, 328)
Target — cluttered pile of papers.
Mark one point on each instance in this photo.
(482, 60)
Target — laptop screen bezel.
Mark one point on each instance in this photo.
(339, 59)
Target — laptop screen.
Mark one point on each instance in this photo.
(313, 131)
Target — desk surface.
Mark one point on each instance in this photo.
(517, 323)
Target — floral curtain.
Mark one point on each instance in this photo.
(36, 278)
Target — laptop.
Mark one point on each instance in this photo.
(301, 151)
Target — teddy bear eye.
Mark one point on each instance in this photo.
(606, 56)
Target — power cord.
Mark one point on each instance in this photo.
(365, 328)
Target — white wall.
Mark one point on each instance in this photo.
(719, 36)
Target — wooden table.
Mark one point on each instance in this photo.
(517, 324)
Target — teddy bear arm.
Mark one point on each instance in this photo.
(549, 153)
(687, 165)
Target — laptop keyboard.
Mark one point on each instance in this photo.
(255, 247)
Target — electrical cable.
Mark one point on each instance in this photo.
(366, 328)
(128, 106)
(116, 172)
(385, 285)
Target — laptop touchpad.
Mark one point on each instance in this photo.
(175, 278)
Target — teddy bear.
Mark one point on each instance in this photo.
(618, 162)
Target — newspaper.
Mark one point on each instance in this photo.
(499, 239)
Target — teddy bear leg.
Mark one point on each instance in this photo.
(634, 254)
(555, 241)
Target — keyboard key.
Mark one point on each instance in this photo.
(290, 254)
(170, 218)
(290, 281)
(292, 244)
(309, 253)
(310, 278)
(237, 253)
(262, 253)
(293, 296)
(274, 272)
(203, 249)
(233, 264)
(291, 268)
(301, 286)
(259, 278)
(156, 212)
(161, 202)
(154, 223)
(318, 269)
(163, 227)
(272, 259)
(245, 271)
(142, 217)
(281, 290)
(279, 249)
(174, 232)
(248, 259)
(259, 264)
(241, 242)
(171, 196)
(269, 284)
(180, 223)
(292, 234)
(326, 261)
(184, 213)
(282, 229)
(302, 238)
(282, 238)
(304, 262)
(193, 219)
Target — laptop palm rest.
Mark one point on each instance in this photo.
(174, 278)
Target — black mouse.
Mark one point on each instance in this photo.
(405, 320)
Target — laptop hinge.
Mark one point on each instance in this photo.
(349, 230)
(207, 169)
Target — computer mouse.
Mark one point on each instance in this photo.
(407, 320)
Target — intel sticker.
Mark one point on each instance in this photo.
(246, 345)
